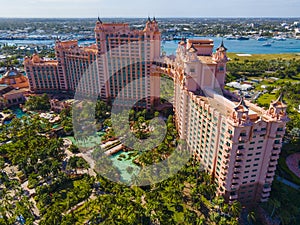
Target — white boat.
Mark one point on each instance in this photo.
(279, 38)
(267, 44)
(261, 39)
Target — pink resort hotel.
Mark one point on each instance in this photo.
(236, 141)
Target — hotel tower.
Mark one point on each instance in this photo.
(235, 140)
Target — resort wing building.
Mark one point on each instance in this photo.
(236, 141)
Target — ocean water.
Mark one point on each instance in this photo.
(251, 46)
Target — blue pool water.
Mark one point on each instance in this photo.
(18, 112)
(123, 164)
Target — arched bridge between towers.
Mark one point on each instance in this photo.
(167, 66)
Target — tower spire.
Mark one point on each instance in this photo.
(222, 47)
(99, 20)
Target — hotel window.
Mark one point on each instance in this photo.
(255, 165)
(256, 159)
(245, 177)
(253, 142)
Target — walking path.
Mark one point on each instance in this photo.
(92, 197)
(288, 183)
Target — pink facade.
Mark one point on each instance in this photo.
(236, 141)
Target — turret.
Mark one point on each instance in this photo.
(220, 57)
(241, 112)
(277, 108)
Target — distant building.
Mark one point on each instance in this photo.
(64, 74)
(13, 88)
(57, 106)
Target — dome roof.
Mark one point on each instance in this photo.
(14, 78)
(12, 73)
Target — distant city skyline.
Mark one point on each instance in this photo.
(158, 8)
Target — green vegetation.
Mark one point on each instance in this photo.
(284, 204)
(38, 103)
(262, 66)
(186, 198)
(254, 57)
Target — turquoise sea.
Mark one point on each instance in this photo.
(251, 46)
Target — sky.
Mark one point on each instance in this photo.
(145, 8)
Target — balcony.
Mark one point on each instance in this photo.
(234, 186)
(239, 152)
(243, 138)
(239, 157)
(225, 162)
(233, 197)
(227, 150)
(281, 132)
(226, 156)
(264, 199)
(260, 132)
(238, 164)
(236, 170)
(269, 180)
(276, 150)
(235, 179)
(273, 163)
(224, 167)
(235, 175)
(271, 173)
(272, 168)
(224, 173)
(265, 195)
(274, 157)
(267, 189)
(277, 145)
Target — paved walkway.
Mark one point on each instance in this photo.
(292, 162)
(288, 183)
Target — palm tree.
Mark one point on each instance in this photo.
(235, 208)
(276, 204)
(251, 217)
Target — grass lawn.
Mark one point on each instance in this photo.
(287, 56)
(266, 99)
